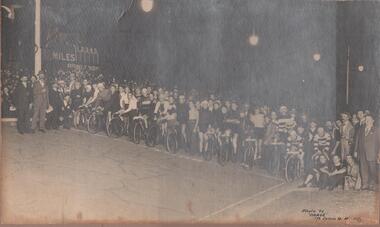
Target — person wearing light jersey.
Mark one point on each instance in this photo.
(130, 109)
(124, 99)
(285, 122)
(172, 112)
(258, 121)
(161, 111)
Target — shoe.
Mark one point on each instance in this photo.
(21, 132)
(42, 130)
(32, 131)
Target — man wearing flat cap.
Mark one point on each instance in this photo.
(40, 103)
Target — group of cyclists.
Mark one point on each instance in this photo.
(212, 126)
(281, 140)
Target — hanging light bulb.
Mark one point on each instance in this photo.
(253, 40)
(147, 5)
(317, 56)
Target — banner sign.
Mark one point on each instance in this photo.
(73, 57)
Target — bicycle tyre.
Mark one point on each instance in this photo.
(82, 121)
(207, 154)
(92, 124)
(115, 128)
(171, 142)
(151, 139)
(127, 126)
(248, 157)
(223, 155)
(137, 133)
(292, 169)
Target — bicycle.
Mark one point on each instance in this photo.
(82, 114)
(249, 153)
(211, 145)
(172, 139)
(118, 125)
(226, 149)
(96, 120)
(141, 131)
(292, 165)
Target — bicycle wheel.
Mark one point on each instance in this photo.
(93, 124)
(207, 154)
(223, 154)
(115, 128)
(171, 142)
(137, 133)
(151, 139)
(127, 126)
(248, 156)
(292, 168)
(76, 119)
(82, 120)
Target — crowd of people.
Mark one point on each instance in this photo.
(341, 153)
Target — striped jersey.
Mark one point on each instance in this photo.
(294, 143)
(285, 123)
(322, 143)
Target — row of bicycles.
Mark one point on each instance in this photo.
(141, 129)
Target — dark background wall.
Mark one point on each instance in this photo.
(204, 44)
(17, 36)
(358, 28)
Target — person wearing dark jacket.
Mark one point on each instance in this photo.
(6, 103)
(76, 96)
(22, 100)
(56, 104)
(113, 104)
(368, 155)
(67, 113)
(40, 103)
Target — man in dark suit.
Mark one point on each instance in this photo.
(56, 103)
(22, 100)
(368, 156)
(359, 133)
(40, 103)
